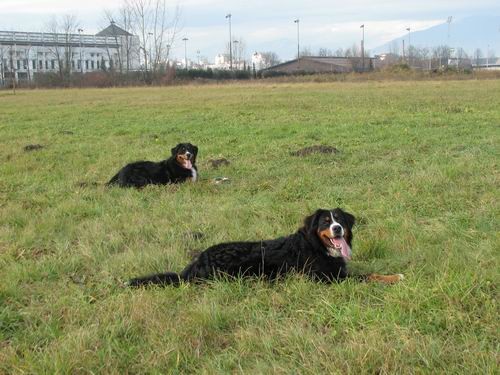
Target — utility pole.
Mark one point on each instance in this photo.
(297, 21)
(228, 16)
(363, 46)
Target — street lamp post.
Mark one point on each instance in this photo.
(297, 21)
(363, 46)
(448, 21)
(80, 31)
(228, 16)
(185, 52)
(409, 45)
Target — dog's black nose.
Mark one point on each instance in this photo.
(337, 229)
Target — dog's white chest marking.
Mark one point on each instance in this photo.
(194, 175)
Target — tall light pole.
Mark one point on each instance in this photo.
(363, 46)
(80, 31)
(297, 21)
(409, 45)
(228, 16)
(448, 21)
(198, 54)
(185, 52)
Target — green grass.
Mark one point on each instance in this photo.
(418, 165)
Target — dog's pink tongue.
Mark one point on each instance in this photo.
(344, 248)
(188, 164)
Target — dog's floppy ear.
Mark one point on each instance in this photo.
(349, 219)
(311, 222)
(175, 149)
(195, 151)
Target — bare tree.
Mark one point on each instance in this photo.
(156, 27)
(339, 52)
(270, 58)
(238, 46)
(306, 51)
(240, 51)
(442, 53)
(62, 31)
(3, 68)
(27, 55)
(325, 52)
(354, 51)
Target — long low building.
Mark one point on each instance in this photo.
(24, 54)
(320, 64)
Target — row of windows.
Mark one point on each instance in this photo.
(40, 54)
(51, 64)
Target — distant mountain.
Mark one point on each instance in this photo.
(469, 33)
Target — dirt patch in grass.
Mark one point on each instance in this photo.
(194, 235)
(317, 149)
(34, 147)
(84, 184)
(216, 163)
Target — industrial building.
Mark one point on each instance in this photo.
(25, 54)
(320, 64)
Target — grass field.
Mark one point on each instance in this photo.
(418, 165)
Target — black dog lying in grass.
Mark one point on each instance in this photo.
(320, 249)
(177, 168)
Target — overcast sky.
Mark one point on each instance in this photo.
(265, 24)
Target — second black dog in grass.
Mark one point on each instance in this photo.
(179, 167)
(320, 249)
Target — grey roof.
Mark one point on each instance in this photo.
(113, 30)
(330, 60)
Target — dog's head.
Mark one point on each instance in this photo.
(185, 154)
(332, 229)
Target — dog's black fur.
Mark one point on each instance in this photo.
(309, 251)
(177, 168)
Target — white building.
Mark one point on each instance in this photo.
(24, 54)
(221, 61)
(259, 61)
